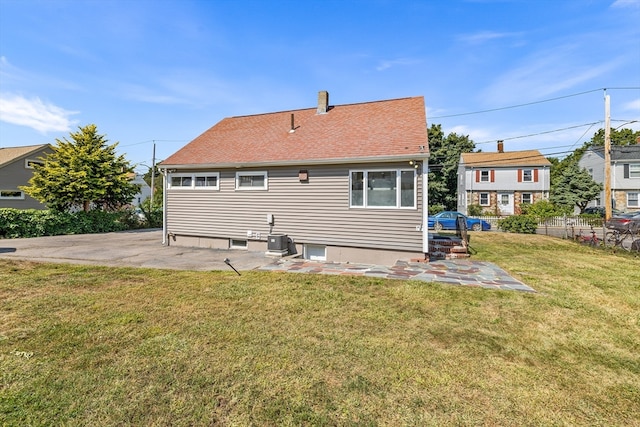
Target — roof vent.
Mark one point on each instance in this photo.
(323, 102)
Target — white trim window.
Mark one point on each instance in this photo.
(484, 176)
(484, 199)
(634, 170)
(11, 195)
(395, 188)
(28, 163)
(199, 181)
(252, 181)
(527, 175)
(526, 198)
(633, 200)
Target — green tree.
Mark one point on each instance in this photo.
(83, 173)
(618, 137)
(574, 187)
(443, 165)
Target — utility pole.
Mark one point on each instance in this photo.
(153, 174)
(607, 158)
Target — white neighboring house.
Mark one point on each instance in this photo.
(502, 181)
(625, 175)
(145, 190)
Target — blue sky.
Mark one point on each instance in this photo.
(165, 71)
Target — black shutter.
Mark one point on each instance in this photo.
(626, 170)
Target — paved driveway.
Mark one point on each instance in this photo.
(143, 248)
(139, 248)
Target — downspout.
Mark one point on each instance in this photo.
(425, 207)
(165, 241)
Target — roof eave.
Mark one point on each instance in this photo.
(308, 162)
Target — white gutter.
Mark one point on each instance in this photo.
(298, 162)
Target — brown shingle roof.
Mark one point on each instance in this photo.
(10, 154)
(365, 132)
(509, 158)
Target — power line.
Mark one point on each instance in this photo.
(534, 102)
(541, 133)
(154, 140)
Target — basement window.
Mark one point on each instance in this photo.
(238, 244)
(315, 252)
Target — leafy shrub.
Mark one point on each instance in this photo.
(434, 209)
(17, 223)
(518, 224)
(474, 210)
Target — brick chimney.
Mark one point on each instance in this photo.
(323, 102)
(500, 146)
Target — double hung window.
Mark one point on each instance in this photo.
(251, 181)
(633, 200)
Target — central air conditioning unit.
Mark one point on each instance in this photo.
(278, 244)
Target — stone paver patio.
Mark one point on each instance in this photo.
(462, 272)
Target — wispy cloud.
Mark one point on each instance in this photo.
(34, 113)
(626, 4)
(545, 74)
(384, 65)
(633, 106)
(485, 36)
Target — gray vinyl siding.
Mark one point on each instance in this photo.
(14, 175)
(314, 212)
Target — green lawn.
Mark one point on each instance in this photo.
(102, 346)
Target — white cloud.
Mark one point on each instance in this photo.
(34, 113)
(633, 106)
(392, 63)
(545, 74)
(626, 3)
(484, 36)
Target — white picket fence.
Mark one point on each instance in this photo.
(558, 221)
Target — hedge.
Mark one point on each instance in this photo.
(18, 223)
(524, 224)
